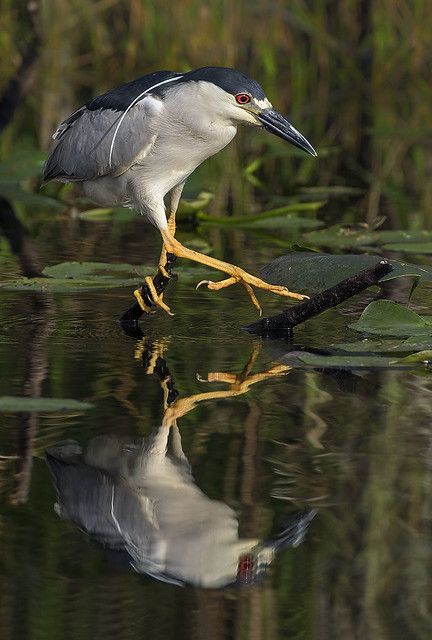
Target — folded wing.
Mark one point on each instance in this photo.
(110, 133)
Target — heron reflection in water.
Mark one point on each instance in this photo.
(139, 499)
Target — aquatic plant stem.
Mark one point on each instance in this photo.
(282, 324)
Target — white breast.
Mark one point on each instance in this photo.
(188, 132)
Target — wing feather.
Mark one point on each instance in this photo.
(108, 134)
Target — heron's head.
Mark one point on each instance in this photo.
(233, 95)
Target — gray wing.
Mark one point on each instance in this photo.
(109, 133)
(99, 142)
(107, 510)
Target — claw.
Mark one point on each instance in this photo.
(253, 297)
(201, 282)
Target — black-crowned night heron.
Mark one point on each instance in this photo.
(139, 500)
(139, 142)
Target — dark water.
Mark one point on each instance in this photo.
(352, 449)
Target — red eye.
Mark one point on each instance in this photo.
(243, 98)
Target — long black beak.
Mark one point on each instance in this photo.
(277, 124)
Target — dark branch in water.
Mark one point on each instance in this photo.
(282, 324)
(130, 319)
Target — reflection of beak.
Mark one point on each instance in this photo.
(277, 124)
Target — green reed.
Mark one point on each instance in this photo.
(353, 76)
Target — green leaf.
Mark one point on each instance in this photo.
(95, 270)
(81, 276)
(391, 319)
(351, 362)
(187, 207)
(410, 247)
(350, 237)
(332, 191)
(118, 214)
(274, 213)
(421, 357)
(313, 272)
(11, 404)
(415, 343)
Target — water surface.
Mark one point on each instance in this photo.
(355, 447)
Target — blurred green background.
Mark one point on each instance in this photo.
(353, 76)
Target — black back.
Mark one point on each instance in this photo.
(120, 97)
(230, 80)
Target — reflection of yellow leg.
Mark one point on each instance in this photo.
(156, 298)
(236, 274)
(238, 384)
(157, 349)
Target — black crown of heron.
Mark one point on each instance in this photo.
(136, 145)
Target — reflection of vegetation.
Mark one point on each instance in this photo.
(378, 552)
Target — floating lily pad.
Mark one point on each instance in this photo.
(352, 237)
(349, 362)
(421, 357)
(413, 344)
(82, 276)
(391, 319)
(356, 362)
(12, 404)
(313, 272)
(95, 270)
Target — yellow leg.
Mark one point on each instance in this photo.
(235, 273)
(157, 299)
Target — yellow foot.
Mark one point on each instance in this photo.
(157, 299)
(256, 282)
(235, 273)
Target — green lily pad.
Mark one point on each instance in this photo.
(313, 272)
(356, 362)
(12, 404)
(83, 276)
(391, 319)
(96, 270)
(421, 357)
(349, 362)
(351, 237)
(413, 344)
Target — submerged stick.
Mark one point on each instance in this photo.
(160, 282)
(283, 323)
